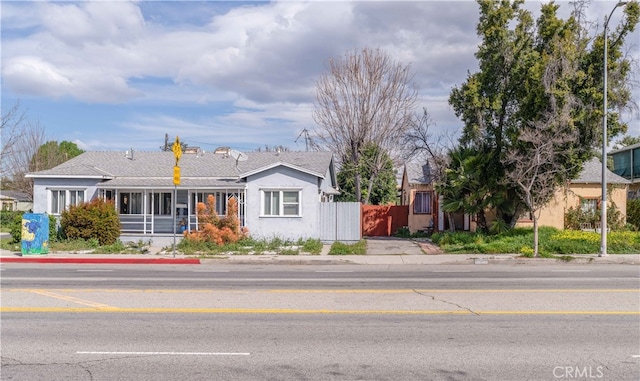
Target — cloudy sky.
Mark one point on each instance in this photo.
(114, 75)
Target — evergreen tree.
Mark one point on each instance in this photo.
(526, 69)
(383, 189)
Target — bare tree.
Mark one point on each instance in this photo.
(13, 125)
(277, 148)
(21, 139)
(535, 164)
(535, 171)
(364, 98)
(420, 143)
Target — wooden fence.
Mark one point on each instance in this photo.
(340, 221)
(383, 220)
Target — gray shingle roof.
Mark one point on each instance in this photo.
(195, 169)
(592, 174)
(16, 195)
(418, 173)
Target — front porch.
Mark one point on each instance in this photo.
(161, 212)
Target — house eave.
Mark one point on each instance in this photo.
(99, 177)
(274, 165)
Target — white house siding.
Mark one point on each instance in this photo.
(41, 187)
(292, 228)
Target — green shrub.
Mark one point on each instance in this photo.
(614, 217)
(455, 238)
(248, 245)
(116, 247)
(13, 221)
(54, 232)
(97, 219)
(498, 226)
(575, 217)
(526, 251)
(633, 213)
(403, 232)
(551, 242)
(311, 246)
(7, 217)
(16, 227)
(339, 248)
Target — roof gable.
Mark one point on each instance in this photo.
(418, 173)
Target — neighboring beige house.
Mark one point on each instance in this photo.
(586, 192)
(14, 200)
(417, 192)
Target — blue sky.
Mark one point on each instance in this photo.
(114, 75)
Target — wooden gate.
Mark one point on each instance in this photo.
(383, 220)
(340, 221)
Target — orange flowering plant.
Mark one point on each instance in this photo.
(216, 229)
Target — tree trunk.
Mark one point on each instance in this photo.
(357, 184)
(452, 222)
(482, 222)
(367, 198)
(535, 234)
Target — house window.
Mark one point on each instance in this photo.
(76, 197)
(7, 205)
(589, 205)
(162, 204)
(281, 203)
(59, 199)
(220, 204)
(130, 203)
(107, 194)
(422, 203)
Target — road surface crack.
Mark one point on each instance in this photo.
(446, 302)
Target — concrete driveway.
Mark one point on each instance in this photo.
(392, 245)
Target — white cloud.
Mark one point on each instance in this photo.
(260, 58)
(92, 22)
(31, 75)
(265, 53)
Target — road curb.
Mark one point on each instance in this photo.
(120, 261)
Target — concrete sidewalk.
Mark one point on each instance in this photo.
(380, 251)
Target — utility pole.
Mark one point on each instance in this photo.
(603, 208)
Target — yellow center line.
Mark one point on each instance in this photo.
(374, 291)
(305, 312)
(71, 299)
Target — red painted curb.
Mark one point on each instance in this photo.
(125, 261)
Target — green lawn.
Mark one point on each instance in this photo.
(551, 242)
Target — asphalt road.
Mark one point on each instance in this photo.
(555, 322)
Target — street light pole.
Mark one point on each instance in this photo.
(603, 205)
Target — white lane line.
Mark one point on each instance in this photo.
(167, 353)
(209, 271)
(334, 271)
(570, 271)
(450, 271)
(636, 356)
(94, 271)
